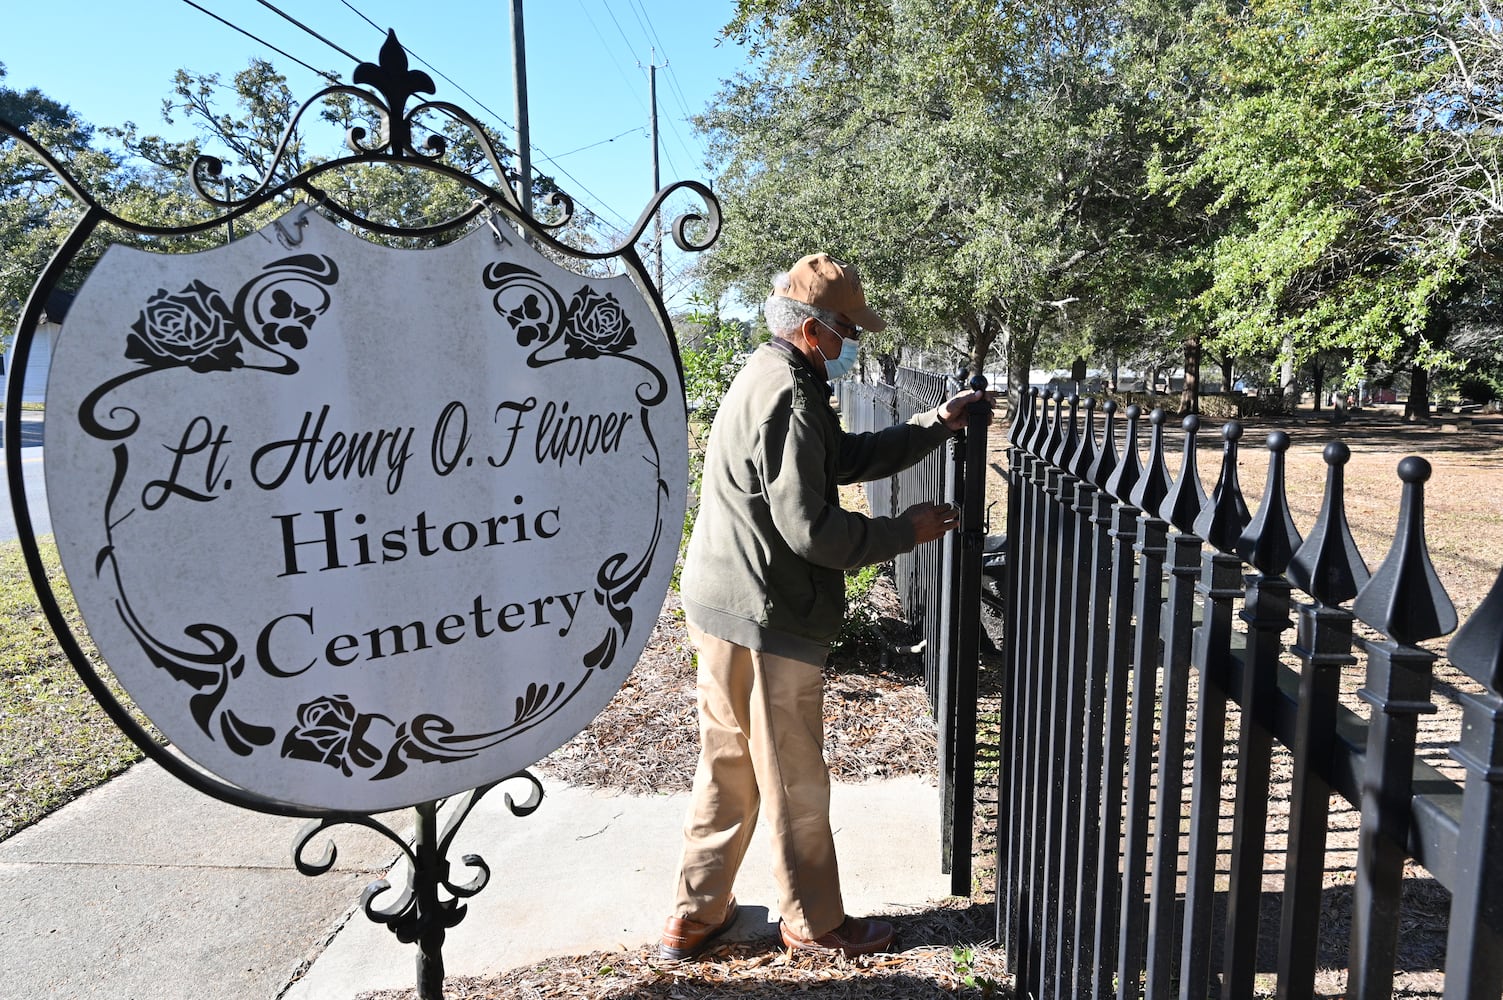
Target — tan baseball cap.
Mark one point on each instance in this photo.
(821, 281)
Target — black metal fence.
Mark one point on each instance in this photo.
(939, 585)
(1133, 640)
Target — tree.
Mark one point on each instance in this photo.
(249, 123)
(36, 209)
(980, 162)
(1306, 139)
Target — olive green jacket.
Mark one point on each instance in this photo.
(766, 562)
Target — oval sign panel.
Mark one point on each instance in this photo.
(358, 527)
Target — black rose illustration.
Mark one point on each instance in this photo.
(597, 325)
(330, 731)
(194, 327)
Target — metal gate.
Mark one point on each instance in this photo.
(939, 585)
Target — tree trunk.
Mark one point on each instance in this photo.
(1189, 397)
(1020, 361)
(1286, 373)
(1417, 405)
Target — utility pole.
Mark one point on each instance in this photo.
(519, 68)
(657, 216)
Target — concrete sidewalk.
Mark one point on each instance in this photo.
(146, 890)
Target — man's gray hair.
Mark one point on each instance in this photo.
(784, 315)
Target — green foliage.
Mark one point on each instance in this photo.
(965, 971)
(978, 161)
(711, 349)
(1302, 152)
(861, 625)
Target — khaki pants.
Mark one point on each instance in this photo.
(761, 733)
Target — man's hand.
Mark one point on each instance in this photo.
(930, 520)
(954, 414)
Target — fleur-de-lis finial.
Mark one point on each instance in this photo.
(396, 83)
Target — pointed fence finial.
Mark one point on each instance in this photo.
(1328, 566)
(1404, 599)
(1064, 452)
(1022, 420)
(1153, 486)
(1085, 447)
(1124, 478)
(1186, 498)
(1056, 431)
(1478, 647)
(1040, 426)
(1106, 455)
(1222, 521)
(1271, 538)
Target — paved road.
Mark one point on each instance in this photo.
(36, 489)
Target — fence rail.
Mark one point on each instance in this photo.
(939, 585)
(1125, 590)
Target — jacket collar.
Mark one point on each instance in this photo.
(779, 344)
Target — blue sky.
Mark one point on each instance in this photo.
(587, 61)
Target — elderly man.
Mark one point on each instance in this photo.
(763, 588)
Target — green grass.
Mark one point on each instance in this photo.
(55, 740)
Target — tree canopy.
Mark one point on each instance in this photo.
(1262, 180)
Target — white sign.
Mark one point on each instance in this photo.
(357, 527)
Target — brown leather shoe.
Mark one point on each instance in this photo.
(684, 938)
(856, 936)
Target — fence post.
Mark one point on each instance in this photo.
(1078, 564)
(1328, 567)
(1120, 484)
(1010, 752)
(1094, 478)
(1148, 599)
(1041, 554)
(1220, 523)
(967, 631)
(1474, 945)
(1406, 602)
(1180, 508)
(1061, 785)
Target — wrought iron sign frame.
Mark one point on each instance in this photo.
(431, 901)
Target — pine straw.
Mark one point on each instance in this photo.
(877, 721)
(939, 958)
(877, 724)
(941, 963)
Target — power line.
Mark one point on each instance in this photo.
(631, 84)
(261, 41)
(541, 155)
(644, 20)
(607, 5)
(288, 17)
(333, 79)
(602, 142)
(440, 73)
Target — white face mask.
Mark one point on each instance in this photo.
(843, 362)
